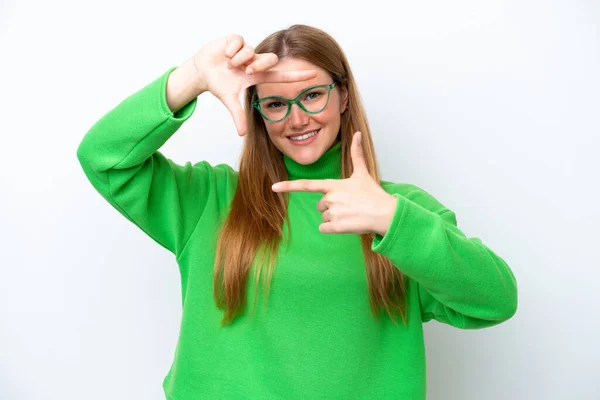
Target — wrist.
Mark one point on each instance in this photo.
(195, 75)
(387, 214)
(183, 85)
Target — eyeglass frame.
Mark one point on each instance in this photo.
(329, 86)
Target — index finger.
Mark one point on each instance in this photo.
(305, 185)
(284, 76)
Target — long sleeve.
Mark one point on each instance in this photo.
(461, 282)
(120, 157)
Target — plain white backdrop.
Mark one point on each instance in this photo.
(492, 107)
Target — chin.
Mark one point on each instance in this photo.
(306, 155)
(306, 159)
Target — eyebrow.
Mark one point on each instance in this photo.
(301, 90)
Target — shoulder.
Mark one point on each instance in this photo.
(416, 195)
(219, 170)
(205, 173)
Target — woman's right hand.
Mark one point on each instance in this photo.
(228, 65)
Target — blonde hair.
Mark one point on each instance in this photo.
(253, 226)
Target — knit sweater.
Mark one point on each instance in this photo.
(316, 338)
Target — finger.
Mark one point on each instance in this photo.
(262, 62)
(284, 76)
(232, 103)
(326, 216)
(338, 227)
(305, 185)
(234, 43)
(358, 157)
(324, 203)
(243, 56)
(327, 227)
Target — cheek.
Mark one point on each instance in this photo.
(329, 117)
(331, 114)
(275, 130)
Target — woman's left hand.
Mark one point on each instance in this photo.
(354, 205)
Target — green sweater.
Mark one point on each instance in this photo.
(316, 338)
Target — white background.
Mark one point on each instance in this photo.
(492, 107)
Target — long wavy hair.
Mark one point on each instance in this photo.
(252, 230)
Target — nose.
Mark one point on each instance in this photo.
(297, 117)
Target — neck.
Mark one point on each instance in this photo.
(328, 166)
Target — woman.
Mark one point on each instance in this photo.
(338, 254)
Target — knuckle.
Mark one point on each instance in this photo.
(234, 36)
(265, 59)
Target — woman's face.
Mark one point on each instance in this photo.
(298, 122)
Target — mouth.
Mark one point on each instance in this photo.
(304, 139)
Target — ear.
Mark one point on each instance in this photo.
(344, 96)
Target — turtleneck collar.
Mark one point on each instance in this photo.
(328, 166)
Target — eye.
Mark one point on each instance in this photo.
(274, 104)
(317, 94)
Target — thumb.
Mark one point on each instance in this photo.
(358, 158)
(232, 103)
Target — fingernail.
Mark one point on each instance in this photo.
(275, 186)
(249, 71)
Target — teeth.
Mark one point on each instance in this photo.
(303, 137)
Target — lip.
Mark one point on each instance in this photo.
(305, 141)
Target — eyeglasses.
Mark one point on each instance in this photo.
(312, 101)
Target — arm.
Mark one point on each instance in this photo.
(183, 86)
(461, 282)
(120, 157)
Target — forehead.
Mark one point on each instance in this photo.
(291, 89)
